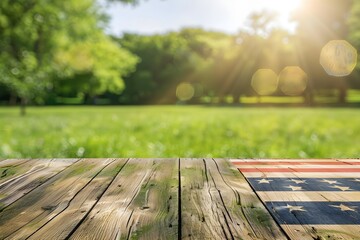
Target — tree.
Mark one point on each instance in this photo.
(167, 60)
(94, 66)
(215, 49)
(320, 21)
(259, 46)
(40, 41)
(26, 44)
(354, 38)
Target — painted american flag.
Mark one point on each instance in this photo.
(308, 197)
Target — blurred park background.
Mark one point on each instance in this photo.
(96, 78)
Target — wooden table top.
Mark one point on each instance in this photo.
(179, 199)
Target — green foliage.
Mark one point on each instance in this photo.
(354, 27)
(26, 44)
(180, 131)
(216, 64)
(320, 21)
(52, 50)
(100, 61)
(42, 41)
(354, 38)
(169, 59)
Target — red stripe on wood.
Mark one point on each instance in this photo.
(299, 169)
(295, 163)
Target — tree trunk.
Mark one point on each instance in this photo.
(23, 107)
(13, 99)
(309, 98)
(221, 99)
(258, 97)
(236, 98)
(342, 88)
(342, 95)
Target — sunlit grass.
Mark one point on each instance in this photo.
(353, 96)
(180, 132)
(272, 99)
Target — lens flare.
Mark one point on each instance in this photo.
(264, 81)
(338, 58)
(293, 81)
(185, 91)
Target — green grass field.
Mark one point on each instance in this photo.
(179, 131)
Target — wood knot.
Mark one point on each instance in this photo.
(48, 208)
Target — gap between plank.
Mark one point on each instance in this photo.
(69, 202)
(87, 214)
(277, 223)
(48, 179)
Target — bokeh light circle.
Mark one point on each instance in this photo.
(264, 82)
(293, 80)
(338, 58)
(185, 91)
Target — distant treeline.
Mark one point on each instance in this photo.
(58, 53)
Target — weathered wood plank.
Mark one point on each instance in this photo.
(323, 168)
(38, 172)
(143, 198)
(310, 199)
(10, 168)
(12, 162)
(63, 221)
(217, 203)
(256, 215)
(51, 197)
(328, 232)
(313, 231)
(141, 203)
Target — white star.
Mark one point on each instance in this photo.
(343, 207)
(297, 181)
(295, 208)
(264, 181)
(341, 188)
(329, 181)
(294, 188)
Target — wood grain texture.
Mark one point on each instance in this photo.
(328, 232)
(28, 176)
(216, 203)
(10, 168)
(62, 222)
(305, 196)
(141, 203)
(49, 198)
(153, 199)
(256, 215)
(12, 162)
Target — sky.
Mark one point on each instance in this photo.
(159, 16)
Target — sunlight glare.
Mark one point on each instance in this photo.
(284, 6)
(264, 81)
(283, 10)
(338, 58)
(293, 81)
(185, 91)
